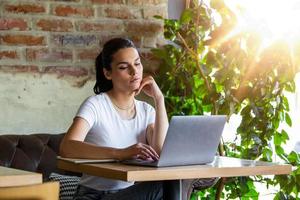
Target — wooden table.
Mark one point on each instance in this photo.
(15, 177)
(221, 167)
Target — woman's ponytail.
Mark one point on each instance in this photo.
(102, 84)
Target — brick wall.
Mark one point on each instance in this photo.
(63, 37)
(47, 52)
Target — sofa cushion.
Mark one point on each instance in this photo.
(34, 152)
(67, 185)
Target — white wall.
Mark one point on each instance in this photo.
(33, 103)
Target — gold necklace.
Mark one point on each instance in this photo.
(128, 108)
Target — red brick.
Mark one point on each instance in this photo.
(25, 8)
(68, 0)
(146, 2)
(150, 12)
(100, 26)
(46, 55)
(123, 13)
(4, 54)
(143, 27)
(74, 11)
(55, 25)
(19, 69)
(84, 54)
(108, 1)
(66, 71)
(13, 24)
(22, 40)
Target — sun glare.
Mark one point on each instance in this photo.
(272, 19)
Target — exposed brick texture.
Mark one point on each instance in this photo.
(68, 0)
(47, 55)
(63, 37)
(85, 54)
(73, 11)
(146, 2)
(142, 27)
(85, 26)
(19, 69)
(122, 12)
(54, 25)
(25, 8)
(6, 54)
(66, 71)
(150, 12)
(13, 24)
(108, 1)
(27, 40)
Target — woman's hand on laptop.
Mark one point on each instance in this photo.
(139, 151)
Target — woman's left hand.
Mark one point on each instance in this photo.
(150, 88)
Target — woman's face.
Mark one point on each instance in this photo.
(126, 70)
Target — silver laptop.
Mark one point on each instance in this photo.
(190, 140)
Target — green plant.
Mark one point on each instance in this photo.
(202, 74)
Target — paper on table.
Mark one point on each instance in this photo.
(79, 160)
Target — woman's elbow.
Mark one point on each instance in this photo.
(63, 149)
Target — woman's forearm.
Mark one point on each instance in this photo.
(79, 149)
(161, 124)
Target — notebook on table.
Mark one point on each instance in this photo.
(190, 140)
(82, 160)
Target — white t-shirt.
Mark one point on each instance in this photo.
(108, 129)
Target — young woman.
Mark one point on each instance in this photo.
(113, 124)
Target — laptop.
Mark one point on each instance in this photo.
(190, 140)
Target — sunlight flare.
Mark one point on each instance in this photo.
(272, 19)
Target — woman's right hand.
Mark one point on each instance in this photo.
(139, 151)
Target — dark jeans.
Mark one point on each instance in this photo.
(138, 191)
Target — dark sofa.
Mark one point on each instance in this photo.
(34, 152)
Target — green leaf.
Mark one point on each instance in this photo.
(285, 103)
(293, 158)
(279, 150)
(290, 86)
(277, 139)
(219, 88)
(186, 16)
(288, 119)
(275, 123)
(280, 196)
(284, 135)
(267, 153)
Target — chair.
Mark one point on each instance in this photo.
(44, 191)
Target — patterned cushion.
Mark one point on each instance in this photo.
(68, 185)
